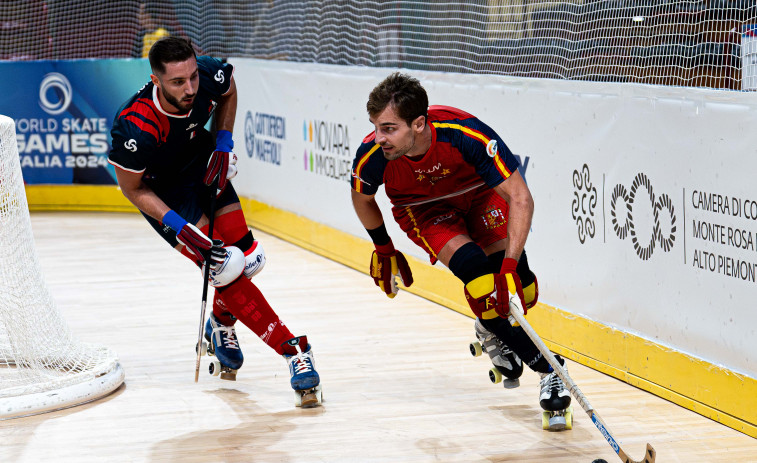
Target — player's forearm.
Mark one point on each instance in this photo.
(515, 191)
(367, 210)
(518, 226)
(227, 110)
(145, 200)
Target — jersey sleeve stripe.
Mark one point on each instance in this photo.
(126, 169)
(474, 134)
(359, 168)
(501, 167)
(145, 127)
(143, 115)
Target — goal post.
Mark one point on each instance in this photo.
(43, 367)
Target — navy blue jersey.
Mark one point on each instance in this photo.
(465, 154)
(149, 140)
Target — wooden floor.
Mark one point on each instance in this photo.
(399, 382)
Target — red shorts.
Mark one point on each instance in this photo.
(480, 214)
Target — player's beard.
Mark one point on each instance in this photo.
(183, 107)
(399, 152)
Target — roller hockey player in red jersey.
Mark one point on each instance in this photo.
(456, 191)
(166, 164)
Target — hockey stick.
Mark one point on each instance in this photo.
(516, 311)
(206, 277)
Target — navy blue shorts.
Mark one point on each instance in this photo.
(191, 203)
(190, 198)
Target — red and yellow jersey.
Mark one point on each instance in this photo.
(465, 154)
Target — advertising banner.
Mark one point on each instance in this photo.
(64, 111)
(646, 210)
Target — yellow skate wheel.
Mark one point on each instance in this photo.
(569, 417)
(545, 420)
(495, 375)
(475, 349)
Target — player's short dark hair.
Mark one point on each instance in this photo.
(169, 50)
(406, 94)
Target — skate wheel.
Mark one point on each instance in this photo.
(569, 418)
(214, 368)
(495, 376)
(319, 394)
(202, 347)
(475, 349)
(545, 421)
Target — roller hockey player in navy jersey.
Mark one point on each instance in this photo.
(456, 191)
(167, 164)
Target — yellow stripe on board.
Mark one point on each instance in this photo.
(710, 390)
(104, 198)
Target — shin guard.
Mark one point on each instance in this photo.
(245, 301)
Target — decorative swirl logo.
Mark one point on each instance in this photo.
(658, 205)
(62, 87)
(584, 202)
(249, 134)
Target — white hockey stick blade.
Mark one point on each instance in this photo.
(516, 312)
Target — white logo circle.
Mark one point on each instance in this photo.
(491, 148)
(219, 76)
(131, 145)
(60, 82)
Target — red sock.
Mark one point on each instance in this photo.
(232, 225)
(245, 301)
(222, 312)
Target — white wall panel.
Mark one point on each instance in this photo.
(678, 270)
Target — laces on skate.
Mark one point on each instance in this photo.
(230, 340)
(552, 382)
(301, 362)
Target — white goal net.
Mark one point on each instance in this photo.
(700, 43)
(42, 366)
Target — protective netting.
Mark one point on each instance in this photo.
(38, 353)
(706, 43)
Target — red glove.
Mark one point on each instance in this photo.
(509, 280)
(201, 246)
(386, 264)
(222, 163)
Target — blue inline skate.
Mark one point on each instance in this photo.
(305, 380)
(223, 343)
